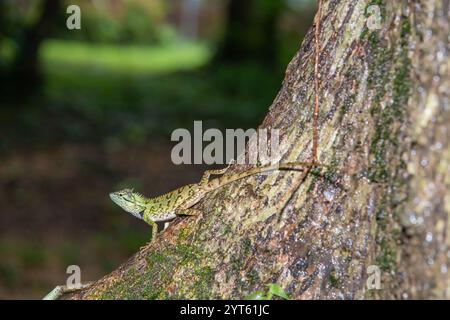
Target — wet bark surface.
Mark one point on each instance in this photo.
(384, 200)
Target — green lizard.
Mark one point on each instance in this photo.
(181, 200)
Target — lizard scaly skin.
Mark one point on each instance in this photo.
(181, 200)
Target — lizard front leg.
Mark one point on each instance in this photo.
(152, 224)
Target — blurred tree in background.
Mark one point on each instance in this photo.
(251, 31)
(27, 25)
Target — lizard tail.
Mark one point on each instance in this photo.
(293, 166)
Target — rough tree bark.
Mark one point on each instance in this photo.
(385, 201)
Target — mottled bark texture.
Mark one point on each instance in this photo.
(385, 201)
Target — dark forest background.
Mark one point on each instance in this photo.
(86, 112)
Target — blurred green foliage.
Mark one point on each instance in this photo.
(129, 59)
(105, 93)
(136, 22)
(32, 256)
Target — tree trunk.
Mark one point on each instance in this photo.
(384, 201)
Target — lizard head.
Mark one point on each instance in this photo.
(129, 201)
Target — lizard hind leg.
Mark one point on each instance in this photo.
(190, 212)
(208, 173)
